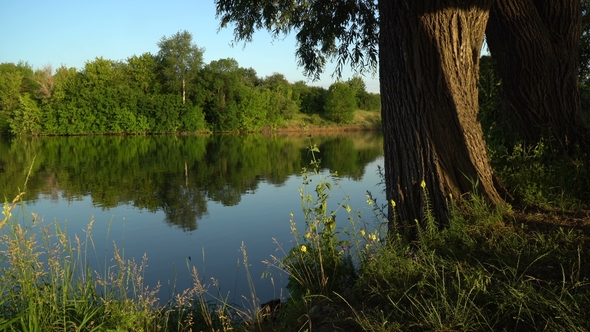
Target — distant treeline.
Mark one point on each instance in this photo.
(172, 91)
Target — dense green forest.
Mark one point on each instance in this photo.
(169, 92)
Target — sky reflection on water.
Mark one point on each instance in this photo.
(214, 248)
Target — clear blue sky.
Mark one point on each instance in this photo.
(68, 32)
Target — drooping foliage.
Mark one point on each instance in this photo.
(428, 66)
(429, 107)
(345, 32)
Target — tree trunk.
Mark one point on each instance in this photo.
(535, 48)
(428, 63)
(183, 91)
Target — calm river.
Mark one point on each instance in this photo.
(187, 200)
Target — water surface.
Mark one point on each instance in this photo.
(187, 200)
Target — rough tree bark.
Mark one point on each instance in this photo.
(535, 48)
(428, 64)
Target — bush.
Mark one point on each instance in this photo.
(193, 119)
(26, 118)
(340, 103)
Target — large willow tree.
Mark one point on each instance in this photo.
(428, 54)
(429, 64)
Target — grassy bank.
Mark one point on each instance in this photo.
(516, 268)
(363, 120)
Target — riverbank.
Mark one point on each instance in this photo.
(521, 267)
(486, 271)
(363, 120)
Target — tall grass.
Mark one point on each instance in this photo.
(46, 285)
(481, 273)
(486, 271)
(537, 176)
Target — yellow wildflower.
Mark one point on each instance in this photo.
(423, 184)
(372, 237)
(303, 248)
(362, 232)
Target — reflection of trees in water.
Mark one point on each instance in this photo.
(227, 195)
(351, 163)
(177, 175)
(183, 206)
(347, 155)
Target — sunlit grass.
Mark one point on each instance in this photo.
(363, 120)
(486, 271)
(46, 285)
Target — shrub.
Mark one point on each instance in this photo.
(340, 103)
